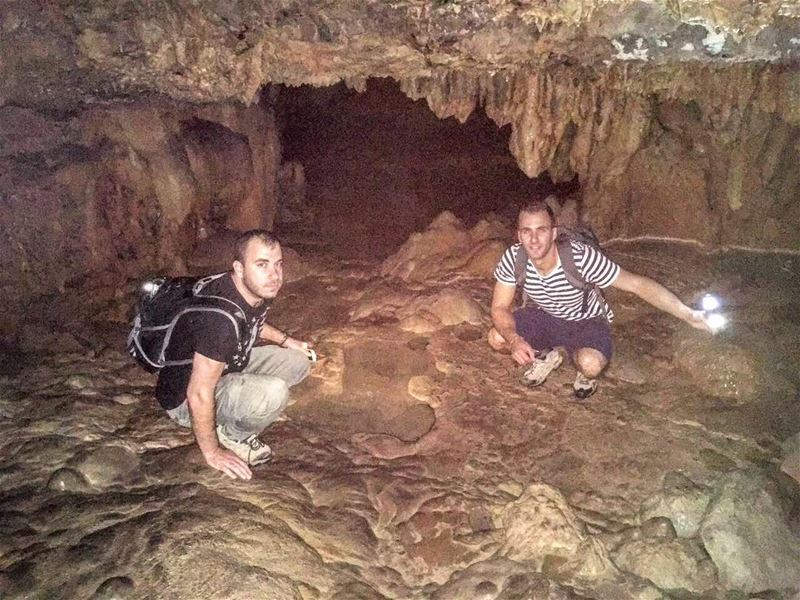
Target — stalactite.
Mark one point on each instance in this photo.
(604, 117)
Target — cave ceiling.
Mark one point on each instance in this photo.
(58, 55)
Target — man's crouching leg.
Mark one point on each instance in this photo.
(250, 401)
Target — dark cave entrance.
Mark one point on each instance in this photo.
(377, 166)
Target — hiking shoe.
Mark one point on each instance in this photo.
(584, 387)
(251, 449)
(541, 368)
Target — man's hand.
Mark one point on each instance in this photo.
(227, 462)
(521, 351)
(296, 344)
(504, 327)
(200, 397)
(697, 319)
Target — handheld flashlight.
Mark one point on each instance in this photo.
(310, 353)
(715, 321)
(710, 303)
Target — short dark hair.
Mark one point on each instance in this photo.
(240, 245)
(534, 206)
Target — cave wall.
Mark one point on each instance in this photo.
(95, 198)
(690, 152)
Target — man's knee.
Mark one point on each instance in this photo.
(300, 366)
(272, 396)
(591, 362)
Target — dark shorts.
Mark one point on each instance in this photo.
(542, 330)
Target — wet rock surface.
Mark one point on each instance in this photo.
(413, 464)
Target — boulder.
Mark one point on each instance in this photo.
(719, 368)
(108, 465)
(671, 564)
(791, 458)
(425, 255)
(681, 501)
(68, 480)
(747, 535)
(543, 531)
(455, 306)
(445, 246)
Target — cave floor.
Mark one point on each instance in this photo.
(399, 463)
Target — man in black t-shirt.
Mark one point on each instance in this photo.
(228, 408)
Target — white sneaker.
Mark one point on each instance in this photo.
(541, 368)
(251, 450)
(583, 386)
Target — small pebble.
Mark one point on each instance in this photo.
(126, 399)
(79, 382)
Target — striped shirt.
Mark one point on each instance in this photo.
(553, 293)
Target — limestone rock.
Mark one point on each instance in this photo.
(541, 529)
(426, 254)
(126, 399)
(454, 306)
(381, 301)
(491, 228)
(669, 564)
(80, 382)
(718, 367)
(422, 388)
(114, 588)
(108, 465)
(658, 528)
(446, 245)
(420, 322)
(501, 578)
(681, 501)
(791, 460)
(484, 259)
(36, 338)
(746, 533)
(68, 480)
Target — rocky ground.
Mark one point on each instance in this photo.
(413, 464)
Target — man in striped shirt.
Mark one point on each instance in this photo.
(556, 315)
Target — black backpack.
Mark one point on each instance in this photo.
(163, 301)
(566, 235)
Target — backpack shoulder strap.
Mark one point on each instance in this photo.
(520, 270)
(520, 266)
(204, 281)
(571, 271)
(575, 277)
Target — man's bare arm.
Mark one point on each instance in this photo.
(657, 295)
(272, 334)
(200, 398)
(503, 320)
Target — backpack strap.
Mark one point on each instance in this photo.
(575, 277)
(520, 270)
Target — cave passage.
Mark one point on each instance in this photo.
(379, 166)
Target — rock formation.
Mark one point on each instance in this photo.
(139, 137)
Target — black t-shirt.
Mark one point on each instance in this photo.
(208, 333)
